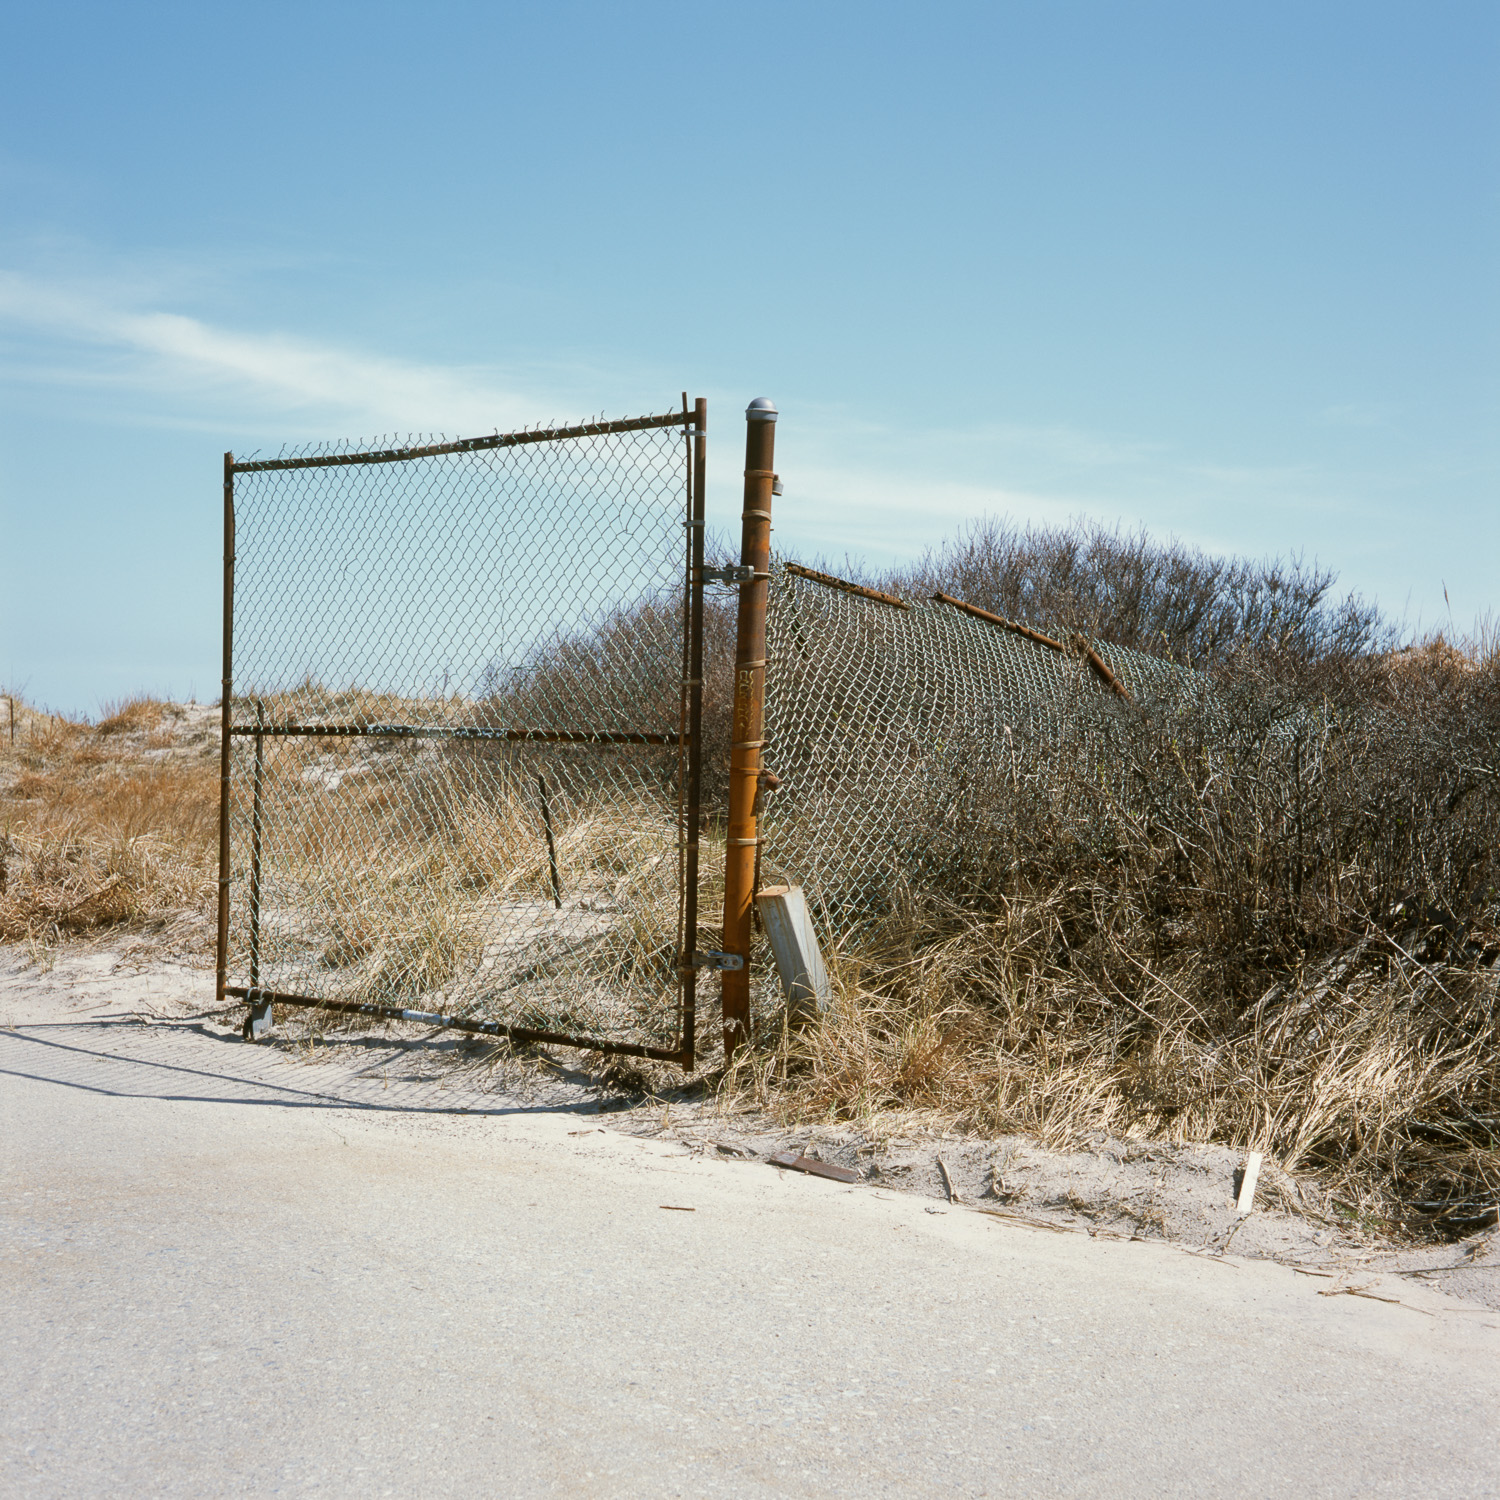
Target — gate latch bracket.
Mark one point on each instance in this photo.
(735, 573)
(258, 1022)
(715, 960)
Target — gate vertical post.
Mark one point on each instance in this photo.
(226, 714)
(692, 812)
(749, 717)
(255, 815)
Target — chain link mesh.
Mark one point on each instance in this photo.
(459, 751)
(901, 736)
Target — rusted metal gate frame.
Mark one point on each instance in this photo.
(694, 422)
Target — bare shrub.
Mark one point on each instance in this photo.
(612, 677)
(1269, 917)
(1163, 598)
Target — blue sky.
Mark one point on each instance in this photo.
(1225, 271)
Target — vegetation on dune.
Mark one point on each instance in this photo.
(1274, 923)
(1166, 599)
(105, 826)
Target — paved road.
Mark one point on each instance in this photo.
(223, 1278)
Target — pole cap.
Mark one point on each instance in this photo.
(762, 409)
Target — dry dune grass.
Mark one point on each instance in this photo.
(1385, 1086)
(419, 872)
(410, 910)
(1270, 921)
(1287, 939)
(105, 826)
(395, 874)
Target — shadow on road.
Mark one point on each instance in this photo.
(71, 1065)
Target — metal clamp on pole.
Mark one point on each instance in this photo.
(743, 839)
(712, 959)
(734, 573)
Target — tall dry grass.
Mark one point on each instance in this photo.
(107, 825)
(1272, 921)
(1269, 919)
(419, 873)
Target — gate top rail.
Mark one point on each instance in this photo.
(465, 445)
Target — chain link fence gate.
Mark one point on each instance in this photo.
(462, 732)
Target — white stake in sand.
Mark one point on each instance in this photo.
(1247, 1182)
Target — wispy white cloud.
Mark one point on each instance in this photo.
(882, 515)
(1273, 479)
(872, 488)
(886, 490)
(1061, 444)
(91, 342)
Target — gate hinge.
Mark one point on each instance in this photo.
(714, 960)
(735, 573)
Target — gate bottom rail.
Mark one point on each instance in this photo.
(255, 997)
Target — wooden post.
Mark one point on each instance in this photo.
(541, 786)
(749, 716)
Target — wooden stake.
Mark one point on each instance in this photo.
(1247, 1182)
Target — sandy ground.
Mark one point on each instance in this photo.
(1179, 1194)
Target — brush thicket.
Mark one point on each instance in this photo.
(1279, 934)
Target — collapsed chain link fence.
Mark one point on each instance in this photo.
(903, 734)
(459, 753)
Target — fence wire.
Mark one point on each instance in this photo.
(459, 742)
(903, 736)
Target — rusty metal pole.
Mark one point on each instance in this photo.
(255, 826)
(693, 810)
(225, 720)
(749, 717)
